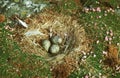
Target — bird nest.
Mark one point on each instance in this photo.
(48, 24)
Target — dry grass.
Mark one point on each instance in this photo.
(2, 18)
(112, 58)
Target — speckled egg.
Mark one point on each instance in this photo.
(54, 49)
(56, 39)
(46, 44)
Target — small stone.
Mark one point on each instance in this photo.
(54, 49)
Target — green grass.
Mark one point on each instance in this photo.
(15, 64)
(98, 33)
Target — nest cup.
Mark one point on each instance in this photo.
(46, 25)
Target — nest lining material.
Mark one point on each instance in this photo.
(48, 24)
